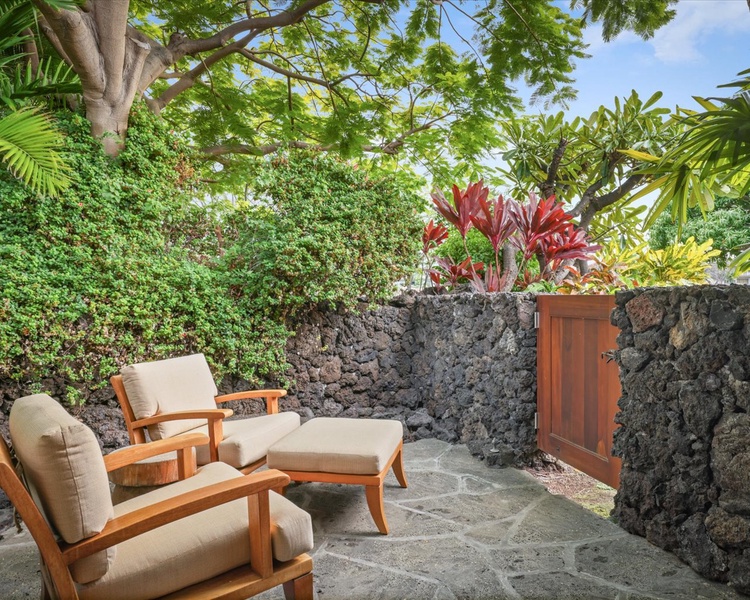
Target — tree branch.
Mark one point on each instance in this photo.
(223, 149)
(390, 148)
(256, 25)
(548, 185)
(608, 199)
(188, 80)
(31, 50)
(74, 38)
(250, 55)
(51, 36)
(111, 22)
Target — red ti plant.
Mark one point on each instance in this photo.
(538, 228)
(452, 273)
(432, 236)
(537, 221)
(465, 204)
(569, 244)
(498, 226)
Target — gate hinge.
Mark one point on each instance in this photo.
(536, 320)
(536, 420)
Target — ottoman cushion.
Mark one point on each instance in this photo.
(333, 445)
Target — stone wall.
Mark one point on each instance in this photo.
(461, 368)
(685, 436)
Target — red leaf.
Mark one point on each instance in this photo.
(466, 203)
(433, 235)
(536, 221)
(497, 224)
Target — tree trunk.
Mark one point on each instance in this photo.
(94, 40)
(510, 267)
(108, 123)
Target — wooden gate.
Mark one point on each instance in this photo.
(577, 385)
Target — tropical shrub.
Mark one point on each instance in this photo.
(678, 264)
(320, 230)
(120, 268)
(539, 231)
(478, 246)
(628, 267)
(728, 225)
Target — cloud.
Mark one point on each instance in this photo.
(696, 22)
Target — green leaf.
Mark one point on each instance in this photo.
(28, 146)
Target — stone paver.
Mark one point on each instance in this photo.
(461, 530)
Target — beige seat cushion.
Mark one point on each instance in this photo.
(197, 547)
(248, 440)
(348, 446)
(171, 385)
(63, 466)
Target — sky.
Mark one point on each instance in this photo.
(705, 45)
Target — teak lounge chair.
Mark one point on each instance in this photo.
(215, 534)
(178, 395)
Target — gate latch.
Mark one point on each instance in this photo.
(609, 355)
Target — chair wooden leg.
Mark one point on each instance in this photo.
(300, 588)
(374, 494)
(398, 469)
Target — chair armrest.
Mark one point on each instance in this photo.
(131, 454)
(205, 413)
(271, 396)
(150, 517)
(215, 417)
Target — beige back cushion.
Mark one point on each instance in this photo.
(171, 385)
(63, 464)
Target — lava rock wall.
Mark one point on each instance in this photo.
(684, 358)
(460, 367)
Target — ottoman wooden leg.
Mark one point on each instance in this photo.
(398, 468)
(374, 494)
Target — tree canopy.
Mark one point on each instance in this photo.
(584, 162)
(354, 76)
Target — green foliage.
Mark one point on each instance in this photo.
(626, 267)
(480, 248)
(28, 147)
(643, 17)
(728, 226)
(593, 165)
(711, 158)
(119, 269)
(28, 141)
(320, 230)
(367, 78)
(678, 264)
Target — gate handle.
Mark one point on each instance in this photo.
(609, 355)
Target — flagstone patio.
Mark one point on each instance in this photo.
(460, 530)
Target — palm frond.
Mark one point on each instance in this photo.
(28, 142)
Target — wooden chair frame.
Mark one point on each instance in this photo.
(261, 574)
(137, 427)
(373, 484)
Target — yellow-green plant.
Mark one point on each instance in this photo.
(621, 267)
(678, 264)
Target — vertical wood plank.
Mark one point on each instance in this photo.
(577, 389)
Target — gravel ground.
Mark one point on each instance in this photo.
(564, 480)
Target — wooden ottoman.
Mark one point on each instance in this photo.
(352, 451)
